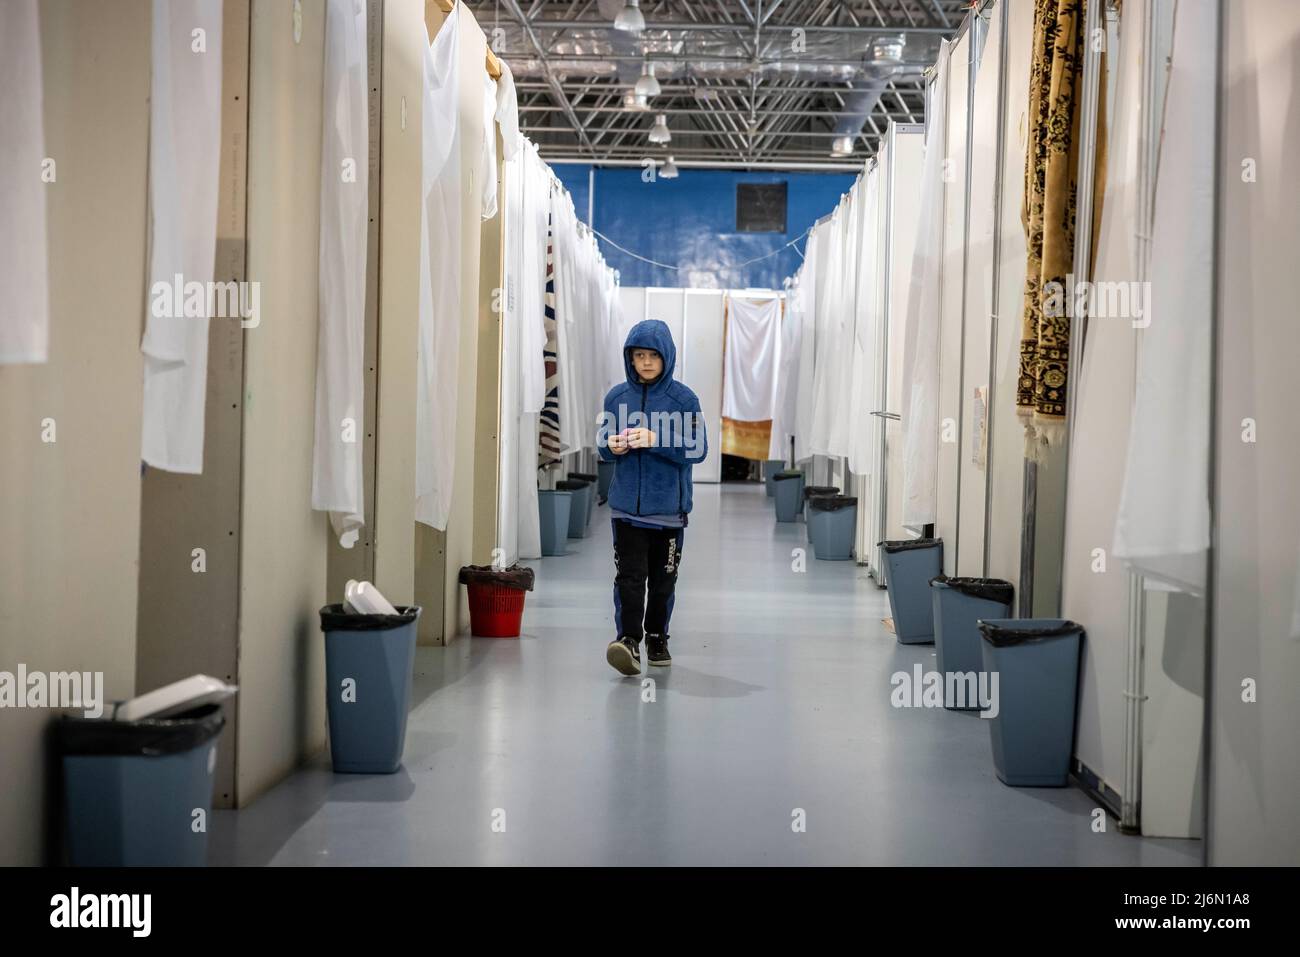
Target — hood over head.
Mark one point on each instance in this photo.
(651, 334)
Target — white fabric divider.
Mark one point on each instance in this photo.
(809, 284)
(1163, 527)
(184, 174)
(531, 288)
(24, 261)
(440, 269)
(785, 400)
(864, 435)
(753, 334)
(338, 478)
(920, 413)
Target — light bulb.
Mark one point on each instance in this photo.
(629, 19)
(660, 133)
(669, 170)
(646, 84)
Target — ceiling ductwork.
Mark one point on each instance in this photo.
(751, 81)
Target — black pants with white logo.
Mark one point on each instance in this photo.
(645, 562)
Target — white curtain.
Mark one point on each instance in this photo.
(440, 269)
(786, 399)
(809, 285)
(920, 378)
(864, 437)
(184, 172)
(753, 341)
(24, 261)
(1163, 527)
(338, 483)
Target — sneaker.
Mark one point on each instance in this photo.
(656, 650)
(625, 655)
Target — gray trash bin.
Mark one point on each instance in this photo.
(594, 482)
(770, 468)
(132, 788)
(959, 604)
(1037, 664)
(369, 661)
(832, 526)
(554, 507)
(604, 478)
(577, 527)
(789, 494)
(909, 566)
(810, 490)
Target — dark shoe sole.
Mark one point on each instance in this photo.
(662, 663)
(622, 659)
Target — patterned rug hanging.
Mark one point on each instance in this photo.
(1051, 182)
(548, 431)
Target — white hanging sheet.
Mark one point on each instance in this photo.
(530, 521)
(920, 379)
(24, 260)
(809, 282)
(338, 481)
(573, 423)
(532, 280)
(440, 276)
(753, 332)
(507, 113)
(184, 182)
(488, 162)
(1163, 527)
(785, 391)
(864, 439)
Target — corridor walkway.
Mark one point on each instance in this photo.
(536, 752)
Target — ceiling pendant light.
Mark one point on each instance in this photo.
(635, 102)
(646, 84)
(660, 133)
(669, 170)
(629, 19)
(842, 146)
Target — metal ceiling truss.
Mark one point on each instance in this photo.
(745, 83)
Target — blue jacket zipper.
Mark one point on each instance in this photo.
(638, 457)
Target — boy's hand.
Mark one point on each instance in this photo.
(618, 444)
(641, 439)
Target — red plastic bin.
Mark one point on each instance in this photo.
(495, 611)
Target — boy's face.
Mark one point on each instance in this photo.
(649, 364)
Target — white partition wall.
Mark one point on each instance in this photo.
(667, 305)
(977, 310)
(1006, 444)
(950, 320)
(699, 365)
(901, 157)
(1255, 653)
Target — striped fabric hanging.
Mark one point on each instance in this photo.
(548, 438)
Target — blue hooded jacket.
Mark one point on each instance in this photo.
(655, 481)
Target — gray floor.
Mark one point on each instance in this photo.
(778, 699)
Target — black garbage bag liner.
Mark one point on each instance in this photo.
(831, 503)
(991, 589)
(787, 474)
(810, 490)
(516, 576)
(907, 544)
(1001, 636)
(148, 737)
(584, 477)
(571, 485)
(335, 618)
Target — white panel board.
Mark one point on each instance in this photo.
(699, 365)
(950, 319)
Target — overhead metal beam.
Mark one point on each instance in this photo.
(557, 91)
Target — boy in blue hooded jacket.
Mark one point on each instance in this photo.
(653, 429)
